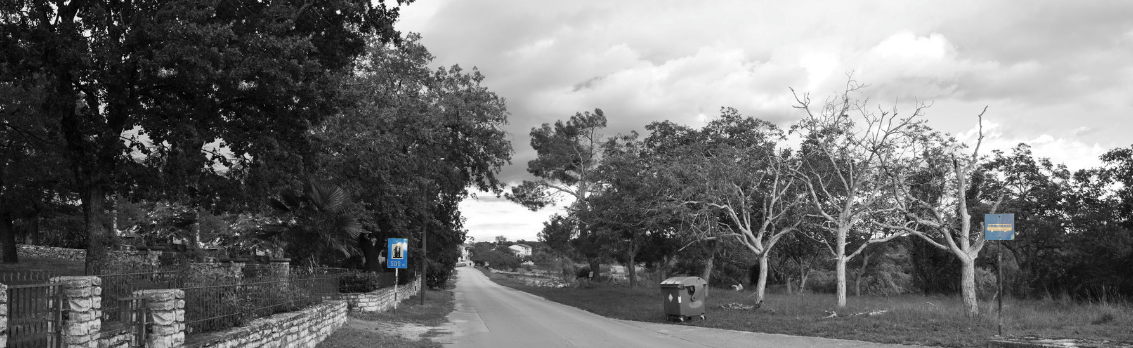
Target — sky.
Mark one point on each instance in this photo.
(1057, 75)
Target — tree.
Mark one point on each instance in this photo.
(568, 155)
(556, 234)
(318, 226)
(412, 145)
(844, 169)
(934, 190)
(749, 182)
(254, 75)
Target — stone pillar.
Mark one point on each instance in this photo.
(281, 268)
(167, 317)
(82, 310)
(3, 315)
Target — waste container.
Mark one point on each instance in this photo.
(684, 297)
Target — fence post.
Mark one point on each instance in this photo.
(166, 317)
(82, 310)
(3, 315)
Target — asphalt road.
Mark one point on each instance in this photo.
(491, 315)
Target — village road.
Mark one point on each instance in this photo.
(490, 315)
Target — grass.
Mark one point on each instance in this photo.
(438, 304)
(911, 319)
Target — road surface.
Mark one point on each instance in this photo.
(491, 315)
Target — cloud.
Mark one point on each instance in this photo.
(1073, 153)
(1044, 68)
(487, 216)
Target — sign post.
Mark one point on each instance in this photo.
(999, 227)
(397, 253)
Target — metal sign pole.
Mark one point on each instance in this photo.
(395, 278)
(999, 319)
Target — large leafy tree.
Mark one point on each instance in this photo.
(412, 145)
(568, 156)
(749, 182)
(254, 75)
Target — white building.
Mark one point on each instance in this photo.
(521, 250)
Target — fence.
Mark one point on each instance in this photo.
(21, 277)
(118, 291)
(217, 307)
(35, 315)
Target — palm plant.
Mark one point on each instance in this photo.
(318, 226)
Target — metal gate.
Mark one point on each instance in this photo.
(35, 315)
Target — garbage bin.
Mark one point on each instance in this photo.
(684, 297)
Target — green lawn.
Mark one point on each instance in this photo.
(911, 319)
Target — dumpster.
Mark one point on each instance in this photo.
(684, 297)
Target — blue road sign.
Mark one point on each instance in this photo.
(999, 226)
(397, 252)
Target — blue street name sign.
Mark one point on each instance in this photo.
(999, 226)
(397, 252)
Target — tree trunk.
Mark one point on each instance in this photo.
(708, 263)
(33, 237)
(805, 273)
(93, 200)
(8, 237)
(841, 274)
(761, 284)
(632, 271)
(790, 281)
(968, 286)
(861, 273)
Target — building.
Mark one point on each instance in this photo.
(465, 256)
(521, 250)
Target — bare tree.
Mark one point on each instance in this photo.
(934, 193)
(844, 168)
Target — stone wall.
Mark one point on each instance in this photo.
(305, 328)
(82, 310)
(381, 300)
(3, 315)
(24, 250)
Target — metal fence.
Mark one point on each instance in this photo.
(217, 307)
(21, 277)
(35, 315)
(118, 290)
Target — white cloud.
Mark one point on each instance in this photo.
(1074, 154)
(1058, 73)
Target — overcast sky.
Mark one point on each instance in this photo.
(1057, 75)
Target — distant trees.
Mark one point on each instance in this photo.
(692, 198)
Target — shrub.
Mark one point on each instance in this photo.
(360, 282)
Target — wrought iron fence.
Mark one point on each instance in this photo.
(21, 277)
(35, 315)
(118, 290)
(215, 307)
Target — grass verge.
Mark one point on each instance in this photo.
(386, 329)
(910, 319)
